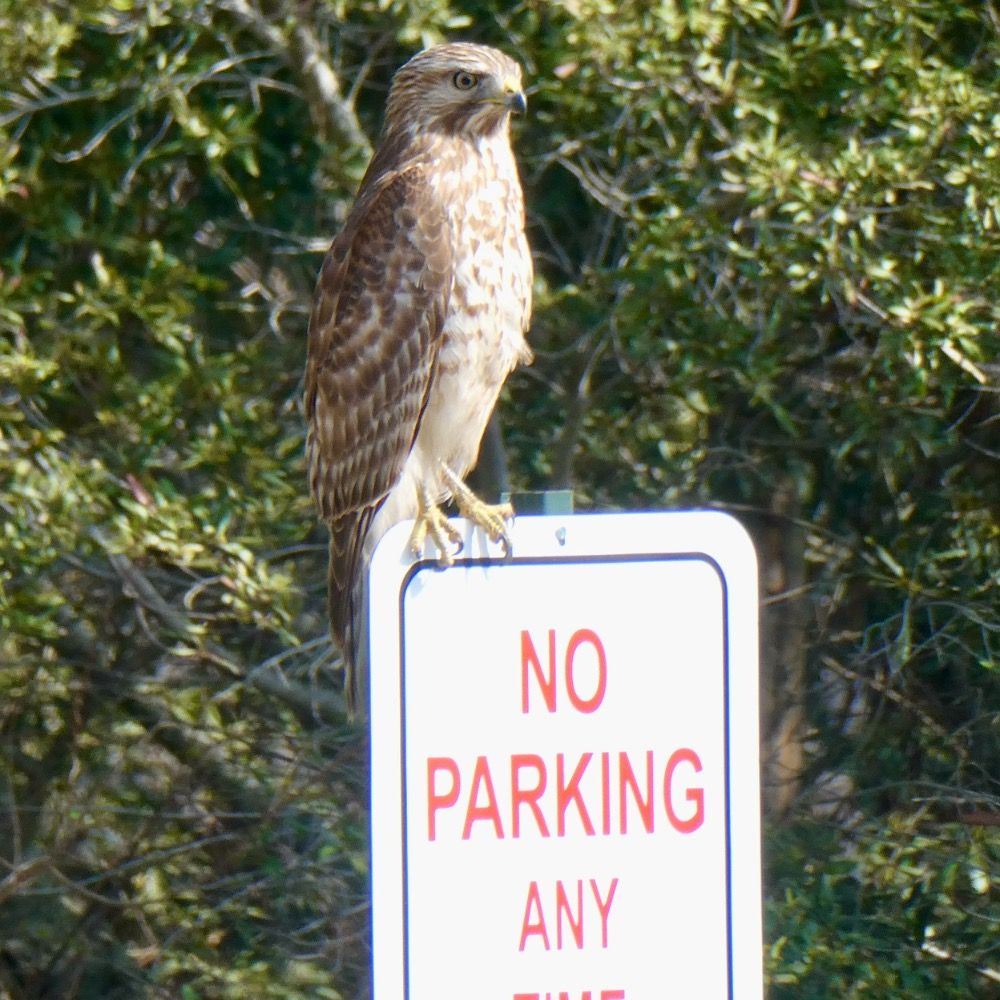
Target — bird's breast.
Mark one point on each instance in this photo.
(482, 338)
(491, 291)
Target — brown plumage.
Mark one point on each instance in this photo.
(420, 312)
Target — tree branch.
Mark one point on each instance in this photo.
(308, 704)
(300, 49)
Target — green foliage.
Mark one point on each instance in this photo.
(900, 910)
(766, 239)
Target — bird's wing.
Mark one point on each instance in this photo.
(374, 333)
(375, 328)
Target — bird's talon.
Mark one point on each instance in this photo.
(431, 522)
(417, 538)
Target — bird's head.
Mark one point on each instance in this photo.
(458, 88)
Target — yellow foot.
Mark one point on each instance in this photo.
(492, 518)
(430, 521)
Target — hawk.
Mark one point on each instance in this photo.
(420, 313)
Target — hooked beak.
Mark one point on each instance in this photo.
(517, 102)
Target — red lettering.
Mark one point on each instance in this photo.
(490, 811)
(542, 803)
(591, 704)
(695, 795)
(536, 926)
(435, 800)
(605, 793)
(569, 915)
(527, 796)
(604, 905)
(547, 685)
(566, 995)
(562, 906)
(571, 792)
(627, 779)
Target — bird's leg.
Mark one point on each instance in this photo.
(430, 521)
(492, 518)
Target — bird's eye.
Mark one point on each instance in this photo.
(464, 81)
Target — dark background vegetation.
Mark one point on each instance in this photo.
(767, 240)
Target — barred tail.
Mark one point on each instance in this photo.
(348, 600)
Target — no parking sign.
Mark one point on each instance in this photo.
(565, 798)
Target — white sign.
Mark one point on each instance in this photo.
(565, 797)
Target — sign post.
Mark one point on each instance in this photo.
(565, 790)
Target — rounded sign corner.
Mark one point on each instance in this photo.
(737, 542)
(392, 547)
